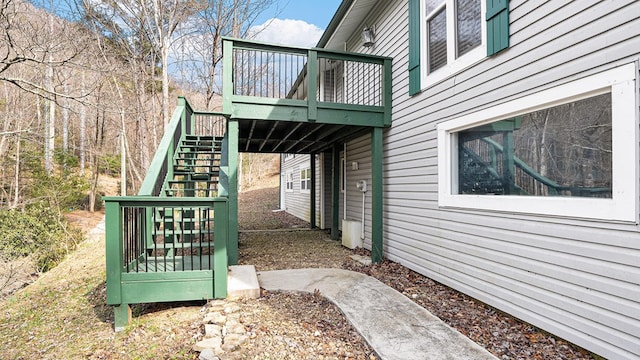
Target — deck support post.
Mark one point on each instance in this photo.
(312, 196)
(232, 247)
(220, 257)
(335, 194)
(122, 316)
(376, 194)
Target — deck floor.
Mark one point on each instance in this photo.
(178, 263)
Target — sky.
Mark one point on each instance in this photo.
(296, 22)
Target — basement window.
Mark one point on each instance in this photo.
(566, 151)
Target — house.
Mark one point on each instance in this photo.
(510, 169)
(490, 145)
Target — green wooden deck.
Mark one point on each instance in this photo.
(275, 100)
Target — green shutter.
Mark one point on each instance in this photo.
(414, 47)
(497, 26)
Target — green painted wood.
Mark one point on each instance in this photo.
(232, 245)
(227, 76)
(497, 26)
(335, 194)
(220, 260)
(388, 91)
(113, 250)
(350, 56)
(260, 45)
(351, 117)
(414, 47)
(376, 195)
(312, 193)
(167, 286)
(223, 184)
(508, 164)
(161, 156)
(312, 90)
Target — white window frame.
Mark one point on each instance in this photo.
(289, 180)
(453, 65)
(623, 206)
(306, 188)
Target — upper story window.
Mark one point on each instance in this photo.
(447, 36)
(452, 33)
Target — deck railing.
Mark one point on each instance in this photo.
(313, 78)
(161, 248)
(154, 235)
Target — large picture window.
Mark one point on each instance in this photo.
(565, 151)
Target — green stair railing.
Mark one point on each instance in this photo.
(161, 248)
(524, 180)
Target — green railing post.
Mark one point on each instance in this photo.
(232, 130)
(312, 91)
(376, 195)
(335, 202)
(220, 238)
(387, 91)
(114, 263)
(227, 76)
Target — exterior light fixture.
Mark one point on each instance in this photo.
(367, 37)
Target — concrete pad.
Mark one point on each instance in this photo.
(242, 282)
(393, 325)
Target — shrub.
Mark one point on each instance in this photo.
(37, 230)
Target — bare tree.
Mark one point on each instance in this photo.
(202, 40)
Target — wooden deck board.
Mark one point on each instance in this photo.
(178, 263)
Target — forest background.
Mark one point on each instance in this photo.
(86, 90)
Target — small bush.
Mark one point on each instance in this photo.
(39, 231)
(110, 165)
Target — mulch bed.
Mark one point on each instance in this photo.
(501, 334)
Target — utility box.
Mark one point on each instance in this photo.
(351, 234)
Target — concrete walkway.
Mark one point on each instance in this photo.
(394, 326)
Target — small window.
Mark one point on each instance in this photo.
(289, 182)
(453, 34)
(570, 151)
(305, 180)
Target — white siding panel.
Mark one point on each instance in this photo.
(575, 278)
(296, 202)
(359, 150)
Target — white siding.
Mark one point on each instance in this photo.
(577, 279)
(359, 151)
(296, 203)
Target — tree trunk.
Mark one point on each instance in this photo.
(83, 126)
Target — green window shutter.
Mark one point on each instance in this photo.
(414, 47)
(497, 26)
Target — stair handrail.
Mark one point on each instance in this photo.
(160, 166)
(539, 177)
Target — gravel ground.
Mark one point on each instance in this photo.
(306, 326)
